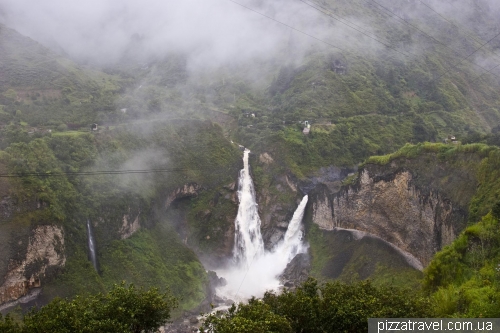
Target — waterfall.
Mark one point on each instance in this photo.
(248, 243)
(254, 270)
(91, 244)
(292, 242)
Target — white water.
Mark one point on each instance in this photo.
(247, 238)
(91, 244)
(254, 271)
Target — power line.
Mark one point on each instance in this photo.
(411, 25)
(456, 26)
(459, 63)
(288, 26)
(91, 173)
(436, 40)
(340, 20)
(479, 76)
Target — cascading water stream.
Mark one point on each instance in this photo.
(292, 242)
(247, 239)
(254, 270)
(91, 244)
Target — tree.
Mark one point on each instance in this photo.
(496, 210)
(7, 325)
(254, 317)
(123, 309)
(333, 307)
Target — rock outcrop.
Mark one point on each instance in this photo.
(45, 251)
(129, 226)
(188, 190)
(389, 204)
(297, 271)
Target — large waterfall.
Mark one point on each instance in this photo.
(91, 244)
(248, 242)
(254, 270)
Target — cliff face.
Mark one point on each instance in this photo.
(45, 251)
(418, 212)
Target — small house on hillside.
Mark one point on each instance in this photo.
(307, 128)
(451, 139)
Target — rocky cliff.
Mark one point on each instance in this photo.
(419, 204)
(45, 251)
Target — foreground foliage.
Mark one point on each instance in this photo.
(464, 278)
(333, 307)
(123, 309)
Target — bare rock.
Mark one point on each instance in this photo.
(45, 249)
(188, 190)
(266, 158)
(417, 221)
(129, 227)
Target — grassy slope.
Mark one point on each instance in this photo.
(383, 101)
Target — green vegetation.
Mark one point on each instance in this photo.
(469, 173)
(122, 309)
(338, 256)
(464, 277)
(332, 307)
(165, 117)
(42, 89)
(195, 151)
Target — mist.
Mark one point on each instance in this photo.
(211, 32)
(220, 32)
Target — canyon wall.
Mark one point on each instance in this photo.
(418, 209)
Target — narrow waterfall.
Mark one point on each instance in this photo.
(248, 243)
(292, 242)
(254, 270)
(91, 244)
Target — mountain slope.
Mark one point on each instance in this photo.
(46, 88)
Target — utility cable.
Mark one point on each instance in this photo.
(288, 26)
(434, 39)
(481, 75)
(327, 12)
(90, 173)
(467, 33)
(460, 62)
(340, 20)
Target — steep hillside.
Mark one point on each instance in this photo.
(463, 277)
(45, 210)
(418, 199)
(39, 87)
(167, 138)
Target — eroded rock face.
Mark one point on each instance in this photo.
(188, 190)
(322, 209)
(393, 208)
(45, 250)
(129, 226)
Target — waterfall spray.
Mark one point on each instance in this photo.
(91, 244)
(254, 271)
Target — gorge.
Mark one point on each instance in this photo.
(215, 151)
(253, 270)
